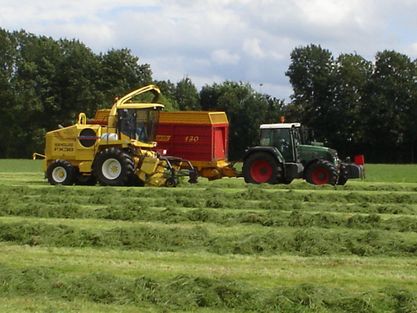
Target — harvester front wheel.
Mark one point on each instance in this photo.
(261, 168)
(321, 172)
(60, 172)
(113, 167)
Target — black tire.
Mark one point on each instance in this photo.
(113, 167)
(321, 172)
(287, 181)
(261, 167)
(171, 182)
(343, 175)
(60, 172)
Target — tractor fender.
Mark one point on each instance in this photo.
(268, 149)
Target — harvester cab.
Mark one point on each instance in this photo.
(136, 121)
(115, 147)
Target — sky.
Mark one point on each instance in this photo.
(216, 40)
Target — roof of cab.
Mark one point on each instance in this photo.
(280, 125)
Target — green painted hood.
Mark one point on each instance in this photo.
(309, 152)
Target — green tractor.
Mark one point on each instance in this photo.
(321, 164)
(276, 160)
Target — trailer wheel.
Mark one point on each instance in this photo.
(261, 168)
(113, 167)
(171, 182)
(321, 172)
(60, 172)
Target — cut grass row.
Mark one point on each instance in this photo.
(210, 197)
(295, 216)
(256, 271)
(257, 240)
(186, 292)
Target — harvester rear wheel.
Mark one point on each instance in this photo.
(60, 172)
(113, 167)
(261, 168)
(321, 172)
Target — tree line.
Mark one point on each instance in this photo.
(353, 105)
(358, 106)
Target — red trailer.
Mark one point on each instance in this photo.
(200, 137)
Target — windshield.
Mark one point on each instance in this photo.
(139, 124)
(280, 138)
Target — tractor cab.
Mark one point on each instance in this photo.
(284, 136)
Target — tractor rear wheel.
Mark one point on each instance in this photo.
(321, 172)
(113, 167)
(60, 172)
(261, 167)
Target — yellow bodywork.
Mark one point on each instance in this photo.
(80, 143)
(194, 117)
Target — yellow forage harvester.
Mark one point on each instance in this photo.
(114, 148)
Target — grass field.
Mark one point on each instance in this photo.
(220, 246)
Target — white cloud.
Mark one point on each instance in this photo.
(215, 40)
(223, 56)
(252, 47)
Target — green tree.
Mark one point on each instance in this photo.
(120, 73)
(389, 116)
(8, 110)
(344, 120)
(186, 95)
(76, 81)
(36, 103)
(167, 97)
(311, 76)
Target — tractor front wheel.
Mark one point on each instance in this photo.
(60, 172)
(113, 167)
(343, 175)
(321, 172)
(261, 168)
